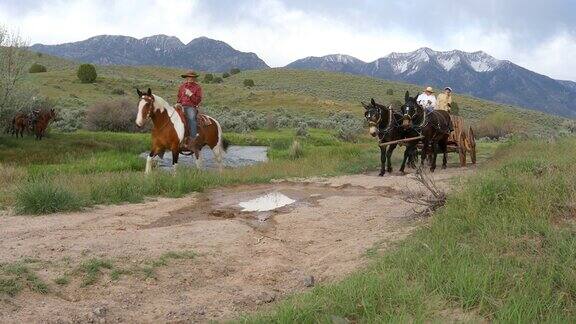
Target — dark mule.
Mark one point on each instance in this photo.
(169, 130)
(386, 124)
(434, 126)
(42, 121)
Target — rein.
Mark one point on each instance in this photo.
(389, 126)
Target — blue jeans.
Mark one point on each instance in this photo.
(191, 115)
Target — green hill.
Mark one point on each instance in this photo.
(306, 92)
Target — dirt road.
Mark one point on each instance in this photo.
(201, 258)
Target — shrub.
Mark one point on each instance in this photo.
(218, 80)
(455, 109)
(234, 71)
(390, 92)
(249, 83)
(44, 198)
(208, 78)
(39, 54)
(270, 121)
(497, 125)
(225, 75)
(118, 91)
(112, 116)
(295, 151)
(302, 129)
(70, 119)
(569, 125)
(37, 68)
(87, 73)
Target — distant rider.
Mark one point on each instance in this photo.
(190, 97)
(33, 118)
(445, 103)
(445, 100)
(427, 99)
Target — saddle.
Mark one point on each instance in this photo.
(202, 121)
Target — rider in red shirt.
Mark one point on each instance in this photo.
(190, 97)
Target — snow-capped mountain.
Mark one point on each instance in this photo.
(477, 74)
(335, 62)
(202, 53)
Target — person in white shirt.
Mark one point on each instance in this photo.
(427, 99)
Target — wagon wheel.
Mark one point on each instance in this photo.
(462, 148)
(472, 145)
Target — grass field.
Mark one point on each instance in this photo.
(502, 249)
(312, 93)
(67, 172)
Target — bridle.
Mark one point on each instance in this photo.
(376, 123)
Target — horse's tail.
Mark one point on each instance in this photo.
(222, 144)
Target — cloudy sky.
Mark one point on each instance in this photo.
(537, 34)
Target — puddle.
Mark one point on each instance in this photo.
(267, 202)
(258, 205)
(236, 156)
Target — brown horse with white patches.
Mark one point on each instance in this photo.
(169, 131)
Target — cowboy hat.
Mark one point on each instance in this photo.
(448, 88)
(190, 74)
(429, 89)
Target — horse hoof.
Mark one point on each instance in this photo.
(444, 167)
(381, 174)
(390, 170)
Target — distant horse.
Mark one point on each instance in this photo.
(434, 126)
(19, 124)
(386, 124)
(44, 118)
(169, 130)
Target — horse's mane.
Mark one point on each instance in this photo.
(161, 104)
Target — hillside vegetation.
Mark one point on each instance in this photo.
(306, 92)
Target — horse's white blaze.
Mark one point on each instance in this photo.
(373, 130)
(139, 116)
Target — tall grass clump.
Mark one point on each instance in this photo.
(296, 150)
(42, 197)
(502, 249)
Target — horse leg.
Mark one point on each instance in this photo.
(199, 161)
(175, 156)
(424, 152)
(149, 158)
(445, 152)
(382, 160)
(434, 156)
(407, 154)
(391, 149)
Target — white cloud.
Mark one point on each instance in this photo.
(277, 33)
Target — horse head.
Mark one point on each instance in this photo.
(410, 110)
(375, 115)
(145, 106)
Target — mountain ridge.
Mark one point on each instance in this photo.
(201, 53)
(474, 73)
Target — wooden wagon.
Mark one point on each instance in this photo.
(461, 140)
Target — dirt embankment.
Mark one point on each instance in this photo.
(242, 260)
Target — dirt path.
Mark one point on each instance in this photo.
(242, 261)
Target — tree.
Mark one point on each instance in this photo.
(87, 73)
(225, 75)
(249, 83)
(208, 78)
(14, 59)
(234, 71)
(218, 80)
(37, 68)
